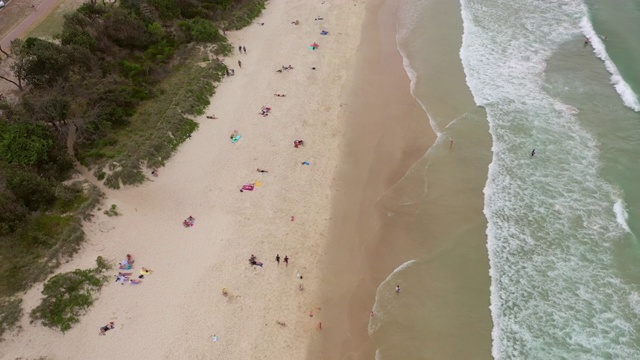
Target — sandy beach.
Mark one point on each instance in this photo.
(270, 312)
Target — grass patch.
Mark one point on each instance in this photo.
(52, 24)
(245, 15)
(10, 313)
(112, 211)
(67, 296)
(160, 124)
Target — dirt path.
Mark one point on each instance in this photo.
(41, 11)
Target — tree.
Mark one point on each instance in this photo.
(34, 191)
(19, 62)
(45, 62)
(4, 52)
(25, 144)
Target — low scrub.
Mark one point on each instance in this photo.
(10, 313)
(67, 296)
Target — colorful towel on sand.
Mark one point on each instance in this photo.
(235, 138)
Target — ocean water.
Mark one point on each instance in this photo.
(558, 229)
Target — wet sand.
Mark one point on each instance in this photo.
(388, 133)
(405, 200)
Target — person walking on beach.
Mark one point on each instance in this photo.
(533, 152)
(240, 64)
(244, 49)
(286, 260)
(240, 49)
(278, 258)
(397, 289)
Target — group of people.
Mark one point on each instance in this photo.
(283, 68)
(189, 222)
(265, 110)
(123, 278)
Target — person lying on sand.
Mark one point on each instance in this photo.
(135, 282)
(104, 329)
(211, 117)
(279, 95)
(297, 22)
(261, 170)
(297, 143)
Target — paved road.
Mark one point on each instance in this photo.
(40, 12)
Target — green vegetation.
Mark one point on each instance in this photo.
(112, 211)
(119, 84)
(10, 313)
(67, 296)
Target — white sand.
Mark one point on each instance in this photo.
(178, 308)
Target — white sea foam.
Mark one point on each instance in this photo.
(629, 97)
(385, 295)
(408, 13)
(621, 214)
(555, 292)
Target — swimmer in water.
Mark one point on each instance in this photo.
(533, 152)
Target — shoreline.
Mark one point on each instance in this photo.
(388, 133)
(178, 308)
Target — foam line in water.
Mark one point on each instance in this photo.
(621, 214)
(407, 15)
(628, 96)
(382, 296)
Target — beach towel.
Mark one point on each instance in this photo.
(235, 138)
(248, 187)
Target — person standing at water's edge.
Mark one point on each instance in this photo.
(278, 258)
(239, 64)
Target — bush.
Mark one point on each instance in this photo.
(24, 143)
(201, 30)
(67, 296)
(34, 191)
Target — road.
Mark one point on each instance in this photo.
(40, 12)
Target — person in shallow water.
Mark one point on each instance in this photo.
(533, 152)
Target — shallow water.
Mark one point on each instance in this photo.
(558, 226)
